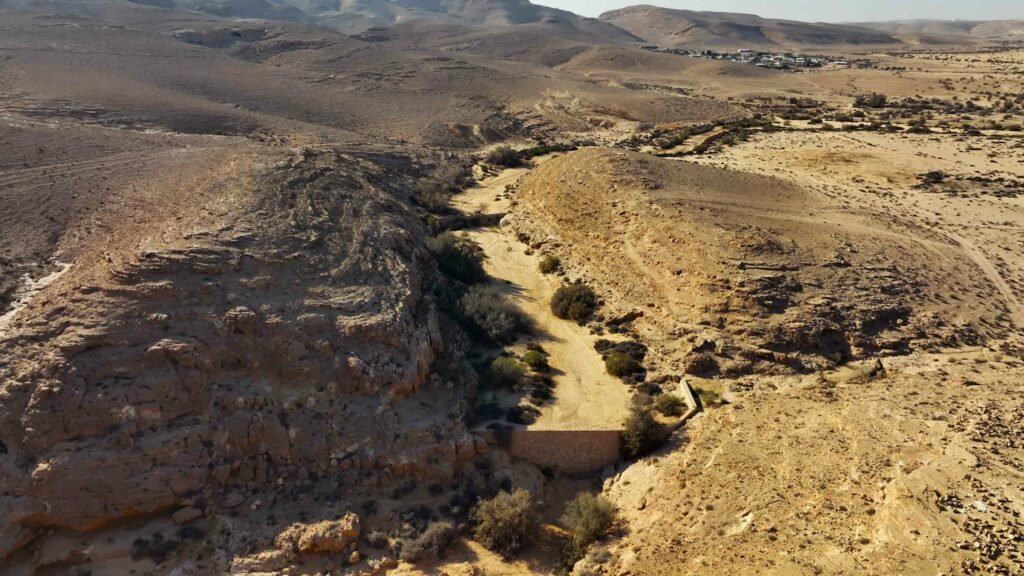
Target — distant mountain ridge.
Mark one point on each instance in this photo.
(356, 16)
(664, 27)
(688, 29)
(939, 30)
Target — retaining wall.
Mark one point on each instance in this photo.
(565, 451)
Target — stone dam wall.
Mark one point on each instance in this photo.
(565, 451)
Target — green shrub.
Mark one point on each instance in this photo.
(536, 360)
(458, 257)
(570, 553)
(430, 545)
(622, 365)
(503, 156)
(506, 372)
(669, 404)
(506, 523)
(489, 310)
(549, 264)
(574, 302)
(588, 517)
(641, 433)
(543, 149)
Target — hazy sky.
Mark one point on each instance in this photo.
(822, 10)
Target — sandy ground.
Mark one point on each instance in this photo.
(876, 174)
(915, 472)
(585, 396)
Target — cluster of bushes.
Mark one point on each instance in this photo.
(642, 433)
(506, 523)
(458, 257)
(434, 194)
(510, 521)
(873, 100)
(528, 153)
(588, 518)
(492, 313)
(508, 157)
(503, 156)
(684, 135)
(736, 132)
(575, 302)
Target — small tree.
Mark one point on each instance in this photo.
(574, 302)
(506, 523)
(642, 433)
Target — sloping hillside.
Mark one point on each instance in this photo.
(950, 30)
(360, 15)
(684, 28)
(355, 16)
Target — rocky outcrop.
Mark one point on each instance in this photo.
(287, 335)
(337, 536)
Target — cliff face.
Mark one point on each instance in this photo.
(273, 326)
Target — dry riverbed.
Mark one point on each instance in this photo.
(585, 396)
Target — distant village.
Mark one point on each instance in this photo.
(776, 61)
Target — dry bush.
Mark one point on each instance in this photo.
(489, 310)
(430, 545)
(588, 518)
(506, 523)
(669, 404)
(549, 264)
(642, 433)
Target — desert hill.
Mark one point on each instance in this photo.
(706, 30)
(234, 339)
(938, 31)
(354, 16)
(217, 214)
